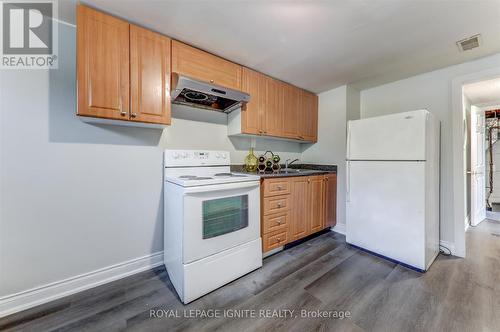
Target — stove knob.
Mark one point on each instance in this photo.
(224, 156)
(184, 155)
(175, 155)
(217, 155)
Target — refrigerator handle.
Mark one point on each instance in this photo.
(348, 181)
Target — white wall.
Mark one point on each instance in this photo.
(77, 197)
(331, 145)
(431, 91)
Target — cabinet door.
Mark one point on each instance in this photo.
(102, 65)
(273, 112)
(195, 63)
(149, 76)
(253, 83)
(316, 203)
(291, 109)
(299, 221)
(308, 119)
(330, 200)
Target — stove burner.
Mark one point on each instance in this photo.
(230, 175)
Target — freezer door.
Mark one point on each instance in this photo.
(386, 209)
(399, 136)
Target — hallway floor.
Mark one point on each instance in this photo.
(324, 273)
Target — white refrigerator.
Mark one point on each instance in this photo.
(393, 187)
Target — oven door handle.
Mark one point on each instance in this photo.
(221, 187)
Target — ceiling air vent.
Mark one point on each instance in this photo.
(469, 43)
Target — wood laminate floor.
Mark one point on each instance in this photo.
(322, 274)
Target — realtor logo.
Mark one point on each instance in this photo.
(29, 34)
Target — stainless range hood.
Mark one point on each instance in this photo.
(195, 93)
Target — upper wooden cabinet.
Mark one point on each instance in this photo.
(123, 70)
(273, 111)
(252, 114)
(291, 111)
(195, 63)
(149, 76)
(276, 109)
(308, 117)
(102, 65)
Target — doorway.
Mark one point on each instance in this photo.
(481, 102)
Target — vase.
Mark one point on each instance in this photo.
(251, 161)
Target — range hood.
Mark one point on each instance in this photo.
(195, 93)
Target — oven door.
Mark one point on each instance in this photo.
(220, 217)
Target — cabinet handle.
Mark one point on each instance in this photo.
(279, 222)
(133, 115)
(279, 205)
(279, 187)
(123, 113)
(211, 81)
(308, 180)
(278, 239)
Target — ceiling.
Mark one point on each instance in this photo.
(483, 94)
(320, 45)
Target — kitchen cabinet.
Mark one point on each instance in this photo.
(291, 111)
(150, 76)
(300, 210)
(316, 201)
(102, 65)
(308, 117)
(273, 112)
(276, 109)
(263, 115)
(123, 71)
(252, 114)
(330, 200)
(295, 207)
(195, 63)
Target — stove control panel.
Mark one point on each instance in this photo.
(186, 158)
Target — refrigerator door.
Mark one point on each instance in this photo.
(399, 136)
(386, 209)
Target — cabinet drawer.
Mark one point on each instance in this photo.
(275, 222)
(279, 186)
(274, 240)
(276, 204)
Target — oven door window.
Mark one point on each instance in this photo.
(224, 215)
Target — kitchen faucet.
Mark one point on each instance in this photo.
(288, 162)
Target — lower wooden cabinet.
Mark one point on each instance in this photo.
(299, 221)
(304, 205)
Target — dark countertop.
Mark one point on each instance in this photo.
(311, 169)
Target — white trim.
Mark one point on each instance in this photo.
(458, 154)
(32, 297)
(339, 228)
(467, 222)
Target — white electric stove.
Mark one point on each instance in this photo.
(212, 222)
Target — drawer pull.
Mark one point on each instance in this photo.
(280, 188)
(278, 239)
(278, 222)
(279, 205)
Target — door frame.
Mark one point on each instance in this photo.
(459, 170)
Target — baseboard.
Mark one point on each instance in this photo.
(30, 298)
(339, 228)
(448, 245)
